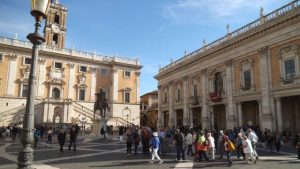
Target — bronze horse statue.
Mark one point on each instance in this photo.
(101, 104)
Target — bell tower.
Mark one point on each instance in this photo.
(55, 25)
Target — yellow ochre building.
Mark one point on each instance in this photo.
(67, 80)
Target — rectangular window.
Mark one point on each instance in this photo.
(57, 65)
(195, 90)
(81, 94)
(1, 57)
(127, 73)
(27, 61)
(247, 79)
(289, 68)
(25, 91)
(166, 97)
(103, 72)
(145, 107)
(127, 97)
(82, 68)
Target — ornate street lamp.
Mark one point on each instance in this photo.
(39, 10)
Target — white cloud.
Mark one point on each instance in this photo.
(201, 11)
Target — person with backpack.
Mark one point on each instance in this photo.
(178, 141)
(239, 146)
(228, 147)
(154, 145)
(202, 146)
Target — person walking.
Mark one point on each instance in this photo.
(254, 140)
(202, 146)
(121, 132)
(154, 145)
(50, 134)
(73, 136)
(211, 145)
(36, 136)
(239, 146)
(61, 137)
(278, 141)
(189, 142)
(178, 142)
(228, 149)
(103, 132)
(248, 150)
(221, 143)
(136, 139)
(128, 140)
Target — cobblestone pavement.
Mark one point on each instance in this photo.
(111, 154)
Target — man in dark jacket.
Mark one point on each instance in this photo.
(178, 141)
(73, 135)
(61, 137)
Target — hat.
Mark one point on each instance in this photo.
(155, 134)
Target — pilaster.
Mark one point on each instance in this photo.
(71, 80)
(230, 113)
(278, 114)
(185, 101)
(11, 75)
(41, 77)
(204, 93)
(93, 71)
(138, 73)
(240, 114)
(267, 116)
(172, 115)
(115, 83)
(160, 120)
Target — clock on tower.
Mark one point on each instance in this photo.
(55, 28)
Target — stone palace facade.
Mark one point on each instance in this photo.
(67, 79)
(251, 76)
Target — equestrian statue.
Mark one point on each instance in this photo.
(101, 104)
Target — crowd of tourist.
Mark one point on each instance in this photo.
(203, 144)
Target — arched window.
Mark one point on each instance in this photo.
(55, 39)
(218, 83)
(56, 19)
(55, 93)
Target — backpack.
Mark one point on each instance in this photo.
(180, 138)
(231, 146)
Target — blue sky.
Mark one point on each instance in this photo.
(155, 31)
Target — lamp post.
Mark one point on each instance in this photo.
(127, 119)
(39, 10)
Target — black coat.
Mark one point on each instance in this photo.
(61, 137)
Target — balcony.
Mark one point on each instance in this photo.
(194, 100)
(215, 97)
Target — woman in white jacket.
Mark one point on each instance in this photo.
(248, 150)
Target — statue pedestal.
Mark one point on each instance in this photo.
(97, 124)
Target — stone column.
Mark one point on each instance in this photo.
(205, 106)
(278, 114)
(160, 120)
(267, 116)
(212, 118)
(230, 114)
(115, 84)
(138, 73)
(260, 113)
(41, 78)
(172, 115)
(12, 71)
(185, 101)
(240, 114)
(71, 81)
(93, 71)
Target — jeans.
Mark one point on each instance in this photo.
(228, 153)
(202, 154)
(129, 145)
(190, 149)
(179, 148)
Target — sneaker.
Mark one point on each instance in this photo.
(255, 161)
(160, 162)
(151, 162)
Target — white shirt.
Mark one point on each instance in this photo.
(211, 142)
(252, 137)
(189, 139)
(247, 147)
